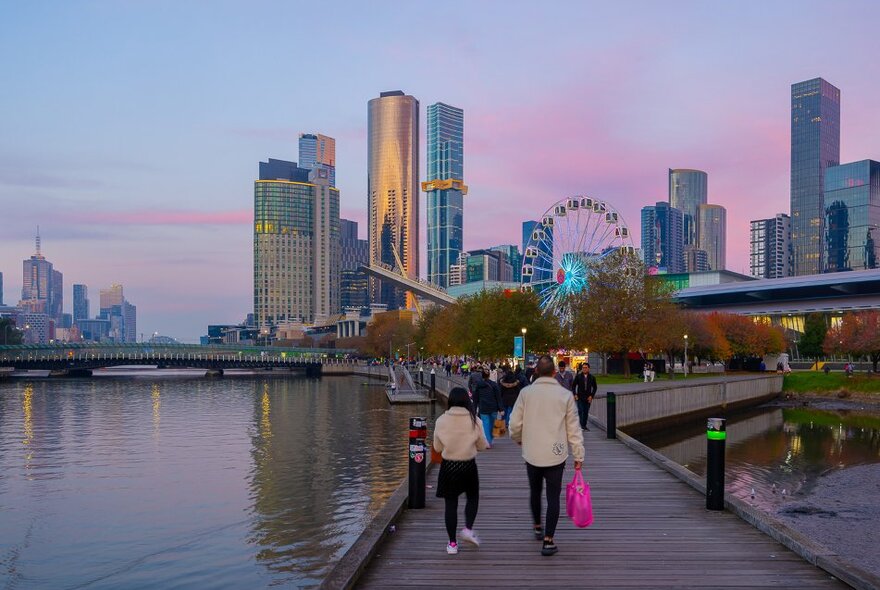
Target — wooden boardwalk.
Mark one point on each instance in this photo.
(650, 531)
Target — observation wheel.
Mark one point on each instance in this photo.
(565, 244)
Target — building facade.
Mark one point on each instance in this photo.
(296, 246)
(80, 303)
(1, 288)
(815, 146)
(42, 290)
(663, 238)
(712, 231)
(695, 260)
(770, 247)
(514, 256)
(318, 151)
(480, 266)
(445, 190)
(852, 216)
(355, 252)
(393, 190)
(688, 189)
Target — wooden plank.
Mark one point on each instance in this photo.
(651, 531)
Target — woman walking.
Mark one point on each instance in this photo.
(510, 388)
(458, 437)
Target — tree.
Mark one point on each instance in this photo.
(858, 334)
(9, 334)
(389, 330)
(742, 337)
(810, 343)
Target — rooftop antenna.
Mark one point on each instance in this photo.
(39, 255)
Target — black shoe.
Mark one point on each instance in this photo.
(549, 548)
(539, 533)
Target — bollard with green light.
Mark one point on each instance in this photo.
(716, 438)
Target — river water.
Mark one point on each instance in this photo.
(170, 480)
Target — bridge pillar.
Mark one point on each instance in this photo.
(214, 373)
(71, 373)
(314, 370)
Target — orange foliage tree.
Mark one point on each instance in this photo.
(858, 335)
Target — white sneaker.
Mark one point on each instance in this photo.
(452, 548)
(470, 536)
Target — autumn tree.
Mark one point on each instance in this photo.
(744, 337)
(811, 342)
(389, 331)
(858, 335)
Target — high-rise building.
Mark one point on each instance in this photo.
(852, 210)
(1, 288)
(688, 189)
(42, 286)
(111, 296)
(695, 260)
(318, 151)
(80, 302)
(296, 245)
(514, 256)
(770, 247)
(815, 146)
(355, 252)
(129, 322)
(445, 189)
(662, 237)
(712, 232)
(480, 266)
(120, 317)
(393, 190)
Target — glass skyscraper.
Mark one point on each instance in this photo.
(662, 237)
(815, 146)
(354, 253)
(712, 231)
(688, 189)
(852, 210)
(80, 303)
(318, 151)
(393, 190)
(445, 189)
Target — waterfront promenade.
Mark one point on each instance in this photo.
(651, 530)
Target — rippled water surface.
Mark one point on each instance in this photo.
(164, 481)
(786, 447)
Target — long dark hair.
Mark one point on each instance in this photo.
(459, 398)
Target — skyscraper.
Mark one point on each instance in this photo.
(296, 245)
(354, 291)
(815, 145)
(770, 247)
(712, 230)
(445, 189)
(42, 285)
(852, 209)
(688, 189)
(514, 256)
(120, 315)
(1, 288)
(80, 302)
(318, 151)
(393, 189)
(662, 237)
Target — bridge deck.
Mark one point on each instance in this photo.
(650, 531)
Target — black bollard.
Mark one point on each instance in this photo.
(418, 431)
(611, 415)
(422, 376)
(716, 437)
(433, 383)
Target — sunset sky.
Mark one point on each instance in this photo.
(131, 132)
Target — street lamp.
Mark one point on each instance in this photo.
(524, 347)
(685, 368)
(477, 352)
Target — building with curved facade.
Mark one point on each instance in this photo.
(688, 189)
(712, 224)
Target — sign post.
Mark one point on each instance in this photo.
(518, 352)
(418, 432)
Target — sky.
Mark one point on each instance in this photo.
(131, 132)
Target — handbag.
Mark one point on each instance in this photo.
(499, 427)
(578, 504)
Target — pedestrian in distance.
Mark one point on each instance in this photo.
(545, 423)
(510, 388)
(487, 399)
(564, 376)
(458, 438)
(584, 388)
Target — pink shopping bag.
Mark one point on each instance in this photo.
(578, 505)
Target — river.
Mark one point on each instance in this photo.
(169, 480)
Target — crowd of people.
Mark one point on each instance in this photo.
(545, 409)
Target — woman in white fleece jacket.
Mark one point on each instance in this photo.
(458, 437)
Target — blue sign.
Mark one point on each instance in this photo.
(517, 347)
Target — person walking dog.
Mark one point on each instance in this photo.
(545, 423)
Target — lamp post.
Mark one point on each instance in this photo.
(685, 366)
(477, 351)
(525, 356)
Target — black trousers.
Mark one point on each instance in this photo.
(470, 511)
(583, 407)
(553, 475)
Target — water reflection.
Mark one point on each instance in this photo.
(789, 448)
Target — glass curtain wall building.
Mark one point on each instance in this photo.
(80, 302)
(662, 238)
(355, 252)
(688, 189)
(815, 146)
(318, 151)
(852, 210)
(393, 190)
(712, 229)
(445, 190)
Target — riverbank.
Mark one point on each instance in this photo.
(841, 513)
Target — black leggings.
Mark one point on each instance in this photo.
(470, 511)
(553, 475)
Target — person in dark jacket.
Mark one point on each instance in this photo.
(487, 399)
(510, 388)
(584, 388)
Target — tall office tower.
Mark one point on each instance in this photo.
(852, 209)
(56, 299)
(393, 190)
(445, 189)
(38, 292)
(514, 256)
(1, 288)
(355, 252)
(119, 315)
(296, 245)
(770, 247)
(688, 189)
(114, 295)
(129, 322)
(712, 230)
(815, 145)
(80, 302)
(662, 237)
(695, 260)
(318, 151)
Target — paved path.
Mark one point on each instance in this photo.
(650, 531)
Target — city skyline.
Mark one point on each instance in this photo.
(108, 169)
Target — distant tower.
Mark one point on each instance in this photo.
(712, 229)
(770, 247)
(815, 145)
(662, 230)
(318, 151)
(393, 189)
(688, 189)
(42, 285)
(80, 302)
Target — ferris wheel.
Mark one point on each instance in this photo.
(570, 239)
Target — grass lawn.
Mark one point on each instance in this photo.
(661, 377)
(819, 382)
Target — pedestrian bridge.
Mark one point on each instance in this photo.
(83, 358)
